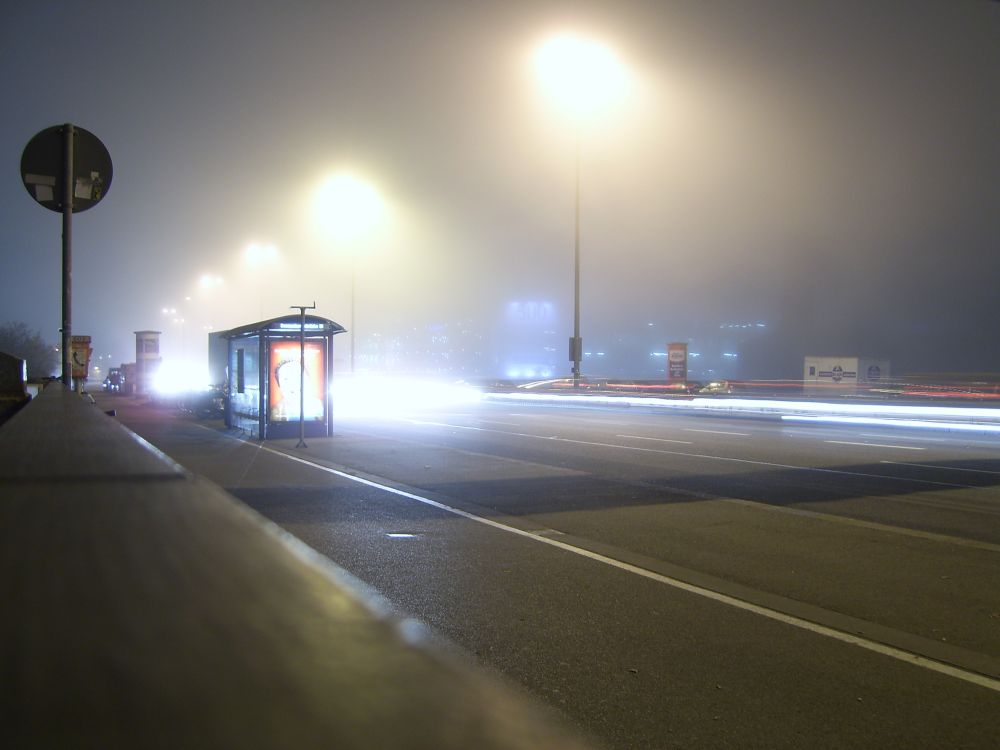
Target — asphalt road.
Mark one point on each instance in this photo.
(665, 580)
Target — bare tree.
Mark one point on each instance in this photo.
(20, 341)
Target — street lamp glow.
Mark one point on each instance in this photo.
(582, 76)
(210, 281)
(346, 206)
(259, 254)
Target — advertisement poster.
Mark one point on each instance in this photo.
(80, 352)
(677, 363)
(284, 377)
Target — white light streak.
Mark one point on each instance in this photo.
(174, 378)
(965, 419)
(911, 423)
(384, 397)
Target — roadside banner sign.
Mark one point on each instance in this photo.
(677, 362)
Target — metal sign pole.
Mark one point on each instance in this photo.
(77, 157)
(302, 372)
(67, 255)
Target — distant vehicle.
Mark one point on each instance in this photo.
(717, 386)
(114, 381)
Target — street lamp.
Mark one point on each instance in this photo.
(347, 208)
(209, 281)
(582, 77)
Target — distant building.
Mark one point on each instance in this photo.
(147, 360)
(528, 345)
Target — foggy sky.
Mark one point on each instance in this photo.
(831, 168)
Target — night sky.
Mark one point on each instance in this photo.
(830, 169)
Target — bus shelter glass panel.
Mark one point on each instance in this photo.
(244, 393)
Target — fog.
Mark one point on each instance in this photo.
(781, 179)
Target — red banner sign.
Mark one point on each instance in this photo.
(677, 363)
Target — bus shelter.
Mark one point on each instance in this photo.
(263, 374)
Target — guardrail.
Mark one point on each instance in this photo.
(145, 607)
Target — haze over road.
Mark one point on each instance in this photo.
(662, 579)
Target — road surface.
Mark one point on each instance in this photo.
(665, 580)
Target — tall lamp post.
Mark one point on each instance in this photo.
(582, 77)
(302, 372)
(347, 208)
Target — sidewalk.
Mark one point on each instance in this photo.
(147, 608)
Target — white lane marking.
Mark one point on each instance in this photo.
(901, 530)
(717, 432)
(815, 434)
(903, 437)
(497, 421)
(877, 445)
(946, 468)
(451, 426)
(707, 457)
(658, 440)
(749, 461)
(772, 614)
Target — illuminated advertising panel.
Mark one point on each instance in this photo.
(284, 374)
(677, 363)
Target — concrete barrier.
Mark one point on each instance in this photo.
(145, 607)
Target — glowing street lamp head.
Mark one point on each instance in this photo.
(259, 254)
(347, 207)
(210, 281)
(580, 75)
